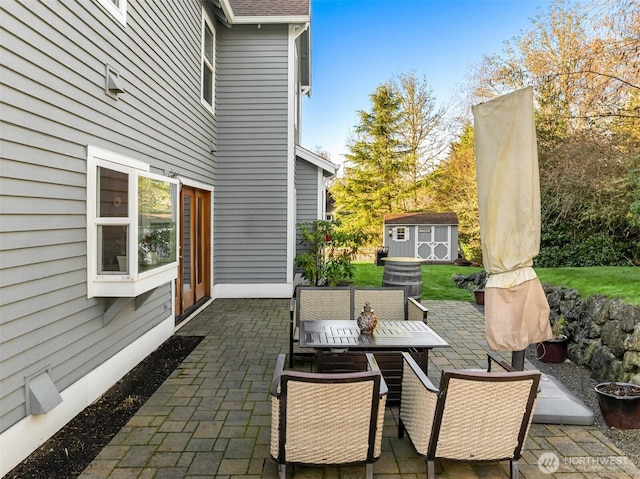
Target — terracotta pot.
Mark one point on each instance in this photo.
(622, 412)
(479, 294)
(552, 351)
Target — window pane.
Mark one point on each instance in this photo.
(113, 188)
(199, 238)
(208, 53)
(112, 246)
(207, 84)
(156, 223)
(208, 43)
(186, 244)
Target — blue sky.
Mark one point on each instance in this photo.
(357, 45)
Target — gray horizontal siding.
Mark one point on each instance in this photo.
(53, 104)
(69, 344)
(251, 203)
(306, 197)
(159, 116)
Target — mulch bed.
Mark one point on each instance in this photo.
(67, 453)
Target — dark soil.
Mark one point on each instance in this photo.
(620, 389)
(67, 453)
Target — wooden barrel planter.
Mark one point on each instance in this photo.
(405, 272)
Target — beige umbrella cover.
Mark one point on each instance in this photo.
(516, 308)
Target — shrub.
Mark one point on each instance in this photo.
(559, 249)
(330, 250)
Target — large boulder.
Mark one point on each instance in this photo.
(598, 309)
(631, 361)
(588, 351)
(604, 365)
(632, 342)
(473, 281)
(625, 313)
(613, 336)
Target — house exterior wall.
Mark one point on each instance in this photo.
(53, 102)
(253, 156)
(307, 196)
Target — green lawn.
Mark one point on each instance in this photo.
(437, 280)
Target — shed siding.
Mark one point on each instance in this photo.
(250, 220)
(53, 105)
(404, 248)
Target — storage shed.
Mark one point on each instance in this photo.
(428, 236)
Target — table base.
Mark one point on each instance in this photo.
(390, 363)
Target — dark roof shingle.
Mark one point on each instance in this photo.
(421, 219)
(269, 8)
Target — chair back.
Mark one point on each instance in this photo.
(389, 304)
(328, 418)
(316, 303)
(483, 416)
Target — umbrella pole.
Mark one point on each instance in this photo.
(517, 360)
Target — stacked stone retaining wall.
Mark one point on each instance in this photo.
(604, 333)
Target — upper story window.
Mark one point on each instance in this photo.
(208, 55)
(401, 233)
(118, 8)
(131, 226)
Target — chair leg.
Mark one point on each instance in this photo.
(514, 469)
(401, 429)
(369, 471)
(431, 469)
(282, 469)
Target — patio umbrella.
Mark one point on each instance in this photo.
(516, 308)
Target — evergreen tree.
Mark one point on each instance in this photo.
(373, 175)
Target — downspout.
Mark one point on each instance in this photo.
(294, 31)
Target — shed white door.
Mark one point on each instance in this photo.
(434, 242)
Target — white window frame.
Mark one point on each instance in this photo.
(206, 22)
(119, 11)
(405, 233)
(129, 283)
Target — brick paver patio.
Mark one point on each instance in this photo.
(211, 418)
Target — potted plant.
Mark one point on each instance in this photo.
(326, 260)
(619, 404)
(554, 350)
(477, 284)
(478, 293)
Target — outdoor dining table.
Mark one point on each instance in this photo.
(340, 347)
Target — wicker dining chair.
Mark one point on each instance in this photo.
(474, 416)
(327, 419)
(389, 303)
(313, 303)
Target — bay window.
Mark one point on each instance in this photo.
(131, 226)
